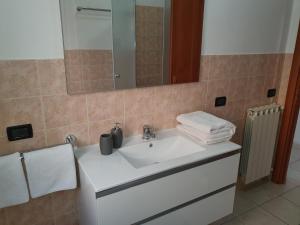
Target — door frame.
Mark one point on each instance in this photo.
(289, 119)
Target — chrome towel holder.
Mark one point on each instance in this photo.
(92, 9)
(69, 139)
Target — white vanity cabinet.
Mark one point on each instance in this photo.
(197, 193)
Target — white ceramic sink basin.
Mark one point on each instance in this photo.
(157, 151)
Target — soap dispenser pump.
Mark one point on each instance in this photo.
(117, 135)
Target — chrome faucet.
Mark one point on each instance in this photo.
(148, 132)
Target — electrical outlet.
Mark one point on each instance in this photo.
(220, 101)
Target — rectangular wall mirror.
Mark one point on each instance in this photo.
(121, 44)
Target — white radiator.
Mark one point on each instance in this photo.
(259, 142)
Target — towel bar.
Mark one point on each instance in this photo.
(70, 139)
(92, 9)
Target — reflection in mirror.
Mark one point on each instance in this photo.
(113, 44)
(150, 46)
(138, 43)
(123, 26)
(88, 45)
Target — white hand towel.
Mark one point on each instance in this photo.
(50, 170)
(204, 141)
(13, 187)
(204, 121)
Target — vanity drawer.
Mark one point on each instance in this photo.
(139, 202)
(202, 212)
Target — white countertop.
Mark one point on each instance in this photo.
(106, 172)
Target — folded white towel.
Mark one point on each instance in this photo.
(204, 121)
(13, 187)
(50, 170)
(213, 139)
(224, 132)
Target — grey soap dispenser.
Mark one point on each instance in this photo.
(117, 135)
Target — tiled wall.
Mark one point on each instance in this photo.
(89, 71)
(35, 92)
(149, 45)
(286, 70)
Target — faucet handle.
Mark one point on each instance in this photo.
(147, 128)
(148, 132)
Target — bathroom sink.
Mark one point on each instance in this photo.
(158, 151)
(172, 171)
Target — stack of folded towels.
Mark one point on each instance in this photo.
(207, 128)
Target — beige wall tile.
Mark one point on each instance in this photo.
(103, 106)
(236, 110)
(164, 120)
(89, 71)
(238, 89)
(52, 76)
(63, 110)
(139, 101)
(74, 72)
(108, 57)
(264, 64)
(224, 67)
(255, 88)
(95, 72)
(57, 135)
(191, 97)
(64, 202)
(271, 64)
(100, 85)
(270, 82)
(75, 87)
(169, 101)
(92, 57)
(18, 79)
(73, 57)
(21, 111)
(134, 123)
(165, 99)
(6, 147)
(34, 212)
(204, 68)
(148, 81)
(149, 40)
(256, 65)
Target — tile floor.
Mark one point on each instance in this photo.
(269, 203)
